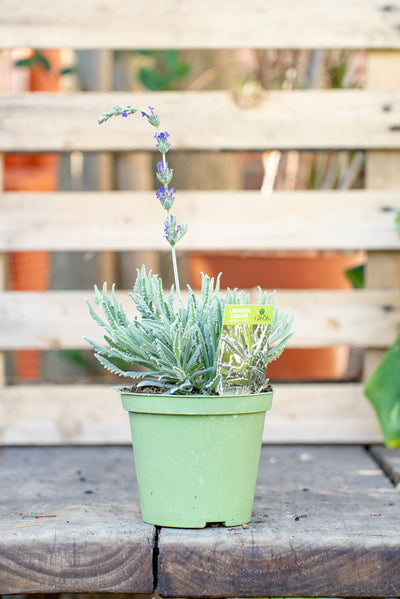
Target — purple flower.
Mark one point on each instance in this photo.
(162, 144)
(125, 114)
(166, 197)
(161, 191)
(164, 173)
(172, 231)
(170, 224)
(162, 135)
(151, 116)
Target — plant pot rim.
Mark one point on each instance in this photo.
(187, 405)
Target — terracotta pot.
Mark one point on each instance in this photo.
(30, 271)
(275, 270)
(24, 172)
(285, 270)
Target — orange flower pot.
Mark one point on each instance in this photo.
(30, 271)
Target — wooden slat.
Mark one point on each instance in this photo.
(382, 170)
(70, 523)
(301, 413)
(59, 319)
(206, 24)
(3, 269)
(325, 523)
(88, 534)
(220, 220)
(96, 69)
(214, 120)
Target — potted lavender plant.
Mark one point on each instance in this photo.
(200, 392)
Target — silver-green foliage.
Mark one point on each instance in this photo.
(177, 348)
(246, 350)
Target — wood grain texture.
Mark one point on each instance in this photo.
(218, 220)
(35, 414)
(59, 319)
(301, 119)
(190, 24)
(325, 523)
(88, 536)
(302, 413)
(382, 170)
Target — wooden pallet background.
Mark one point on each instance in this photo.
(318, 119)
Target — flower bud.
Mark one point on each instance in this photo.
(162, 144)
(164, 174)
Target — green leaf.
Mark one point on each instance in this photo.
(182, 69)
(356, 276)
(170, 58)
(152, 79)
(24, 62)
(38, 58)
(42, 60)
(68, 71)
(383, 391)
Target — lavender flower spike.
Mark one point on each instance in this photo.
(117, 110)
(162, 144)
(172, 231)
(164, 173)
(166, 197)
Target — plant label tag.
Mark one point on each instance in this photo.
(244, 329)
(251, 314)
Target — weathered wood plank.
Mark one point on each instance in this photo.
(3, 269)
(59, 319)
(382, 170)
(302, 413)
(301, 119)
(70, 521)
(321, 413)
(325, 523)
(218, 220)
(389, 461)
(190, 24)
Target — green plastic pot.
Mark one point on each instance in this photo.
(196, 457)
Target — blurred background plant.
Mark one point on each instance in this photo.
(162, 70)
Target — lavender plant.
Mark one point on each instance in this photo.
(171, 345)
(246, 350)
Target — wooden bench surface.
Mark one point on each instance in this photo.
(326, 522)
